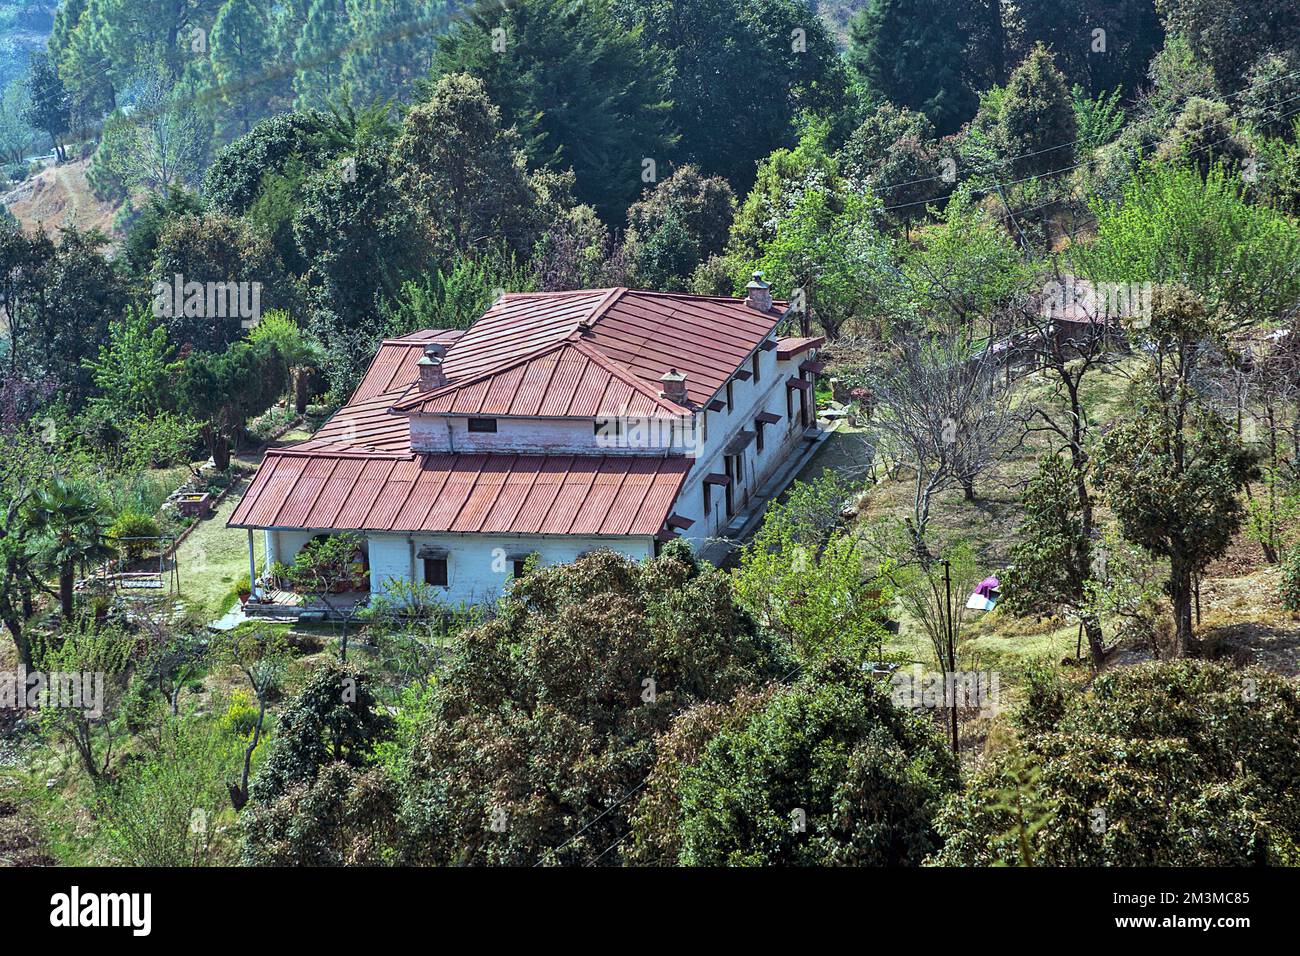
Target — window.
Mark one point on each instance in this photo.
(789, 403)
(517, 566)
(483, 424)
(609, 427)
(708, 499)
(756, 363)
(731, 398)
(758, 437)
(435, 572)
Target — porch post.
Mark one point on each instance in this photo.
(252, 568)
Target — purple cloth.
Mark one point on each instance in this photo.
(987, 586)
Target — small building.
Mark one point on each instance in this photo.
(557, 424)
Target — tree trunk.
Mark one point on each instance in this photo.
(301, 378)
(67, 580)
(1180, 593)
(220, 452)
(968, 487)
(1096, 643)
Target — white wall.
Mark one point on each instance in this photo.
(478, 566)
(552, 436)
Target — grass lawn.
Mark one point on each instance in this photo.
(213, 558)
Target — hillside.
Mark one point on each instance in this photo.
(59, 196)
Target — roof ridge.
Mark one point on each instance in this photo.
(480, 376)
(625, 374)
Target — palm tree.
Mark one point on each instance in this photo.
(65, 528)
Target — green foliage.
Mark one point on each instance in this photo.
(809, 581)
(1173, 225)
(909, 52)
(1169, 764)
(162, 810)
(582, 92)
(1038, 117)
(134, 372)
(1047, 694)
(1205, 135)
(544, 713)
(335, 718)
(1289, 584)
(779, 64)
(827, 773)
(129, 524)
(675, 227)
(1050, 560)
(1098, 120)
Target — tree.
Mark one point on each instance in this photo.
(466, 173)
(93, 729)
(826, 773)
(1205, 135)
(262, 658)
(159, 142)
(809, 581)
(162, 810)
(1037, 121)
(323, 32)
(583, 92)
(47, 109)
(325, 566)
(1051, 561)
(943, 411)
(1172, 225)
(1233, 34)
(17, 138)
(1101, 44)
(909, 52)
(336, 719)
(222, 390)
(241, 49)
(1163, 764)
(778, 62)
(1173, 473)
(66, 530)
(134, 371)
(547, 713)
(676, 226)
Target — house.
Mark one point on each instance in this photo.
(557, 424)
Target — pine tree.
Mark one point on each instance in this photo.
(1038, 116)
(910, 53)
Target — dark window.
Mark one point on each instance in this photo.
(756, 363)
(758, 436)
(482, 424)
(435, 572)
(517, 566)
(730, 397)
(708, 500)
(610, 427)
(789, 403)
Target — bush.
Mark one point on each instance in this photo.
(828, 773)
(1184, 763)
(240, 717)
(1289, 585)
(131, 524)
(1046, 695)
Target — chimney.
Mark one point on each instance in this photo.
(760, 296)
(431, 375)
(674, 386)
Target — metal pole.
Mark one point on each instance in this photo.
(952, 651)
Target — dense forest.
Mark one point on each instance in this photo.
(932, 185)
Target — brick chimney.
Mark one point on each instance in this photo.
(674, 386)
(431, 374)
(760, 296)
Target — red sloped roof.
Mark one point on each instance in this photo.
(393, 367)
(567, 379)
(519, 494)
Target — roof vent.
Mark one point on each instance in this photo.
(430, 368)
(674, 386)
(760, 296)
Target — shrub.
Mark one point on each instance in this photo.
(132, 524)
(1046, 695)
(828, 773)
(1185, 763)
(1289, 585)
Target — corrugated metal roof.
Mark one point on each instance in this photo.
(393, 368)
(567, 379)
(519, 494)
